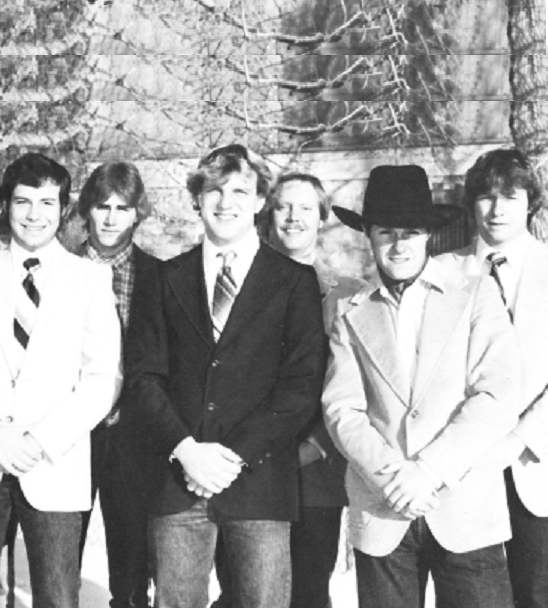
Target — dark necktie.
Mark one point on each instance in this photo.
(396, 288)
(223, 294)
(27, 305)
(496, 260)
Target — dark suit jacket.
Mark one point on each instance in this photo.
(253, 391)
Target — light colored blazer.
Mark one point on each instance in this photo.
(69, 378)
(458, 404)
(530, 472)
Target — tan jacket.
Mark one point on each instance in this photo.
(458, 404)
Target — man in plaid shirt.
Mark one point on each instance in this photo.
(113, 203)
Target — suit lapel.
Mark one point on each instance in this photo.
(440, 318)
(374, 327)
(188, 285)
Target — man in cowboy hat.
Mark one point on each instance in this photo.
(420, 384)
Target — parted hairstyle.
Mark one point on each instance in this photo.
(214, 168)
(119, 178)
(502, 170)
(272, 199)
(34, 169)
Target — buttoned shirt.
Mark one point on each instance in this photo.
(408, 314)
(514, 251)
(123, 277)
(45, 255)
(245, 249)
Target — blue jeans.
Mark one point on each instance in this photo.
(52, 541)
(314, 543)
(474, 579)
(183, 546)
(527, 552)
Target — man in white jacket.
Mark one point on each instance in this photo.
(59, 376)
(502, 194)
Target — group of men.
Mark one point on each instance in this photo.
(220, 448)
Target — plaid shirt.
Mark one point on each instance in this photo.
(123, 277)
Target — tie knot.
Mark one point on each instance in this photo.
(497, 259)
(228, 257)
(31, 263)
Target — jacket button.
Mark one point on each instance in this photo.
(414, 413)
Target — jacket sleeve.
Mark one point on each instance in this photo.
(146, 408)
(345, 407)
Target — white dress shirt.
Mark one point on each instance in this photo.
(514, 251)
(45, 255)
(245, 250)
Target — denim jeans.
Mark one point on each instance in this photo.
(474, 579)
(527, 552)
(117, 475)
(52, 540)
(183, 546)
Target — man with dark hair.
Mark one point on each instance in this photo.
(59, 375)
(502, 194)
(113, 202)
(421, 383)
(225, 367)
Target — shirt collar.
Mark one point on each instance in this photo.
(245, 248)
(44, 254)
(514, 251)
(121, 258)
(429, 277)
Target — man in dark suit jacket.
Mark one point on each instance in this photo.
(113, 202)
(225, 367)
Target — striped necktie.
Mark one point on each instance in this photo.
(496, 259)
(27, 305)
(223, 294)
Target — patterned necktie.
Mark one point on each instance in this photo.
(27, 306)
(496, 260)
(223, 294)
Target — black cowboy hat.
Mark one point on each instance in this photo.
(399, 197)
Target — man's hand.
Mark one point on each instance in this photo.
(19, 451)
(211, 467)
(410, 490)
(417, 508)
(195, 487)
(308, 453)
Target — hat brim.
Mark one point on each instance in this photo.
(437, 217)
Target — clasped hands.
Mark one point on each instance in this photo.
(411, 492)
(19, 451)
(209, 468)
